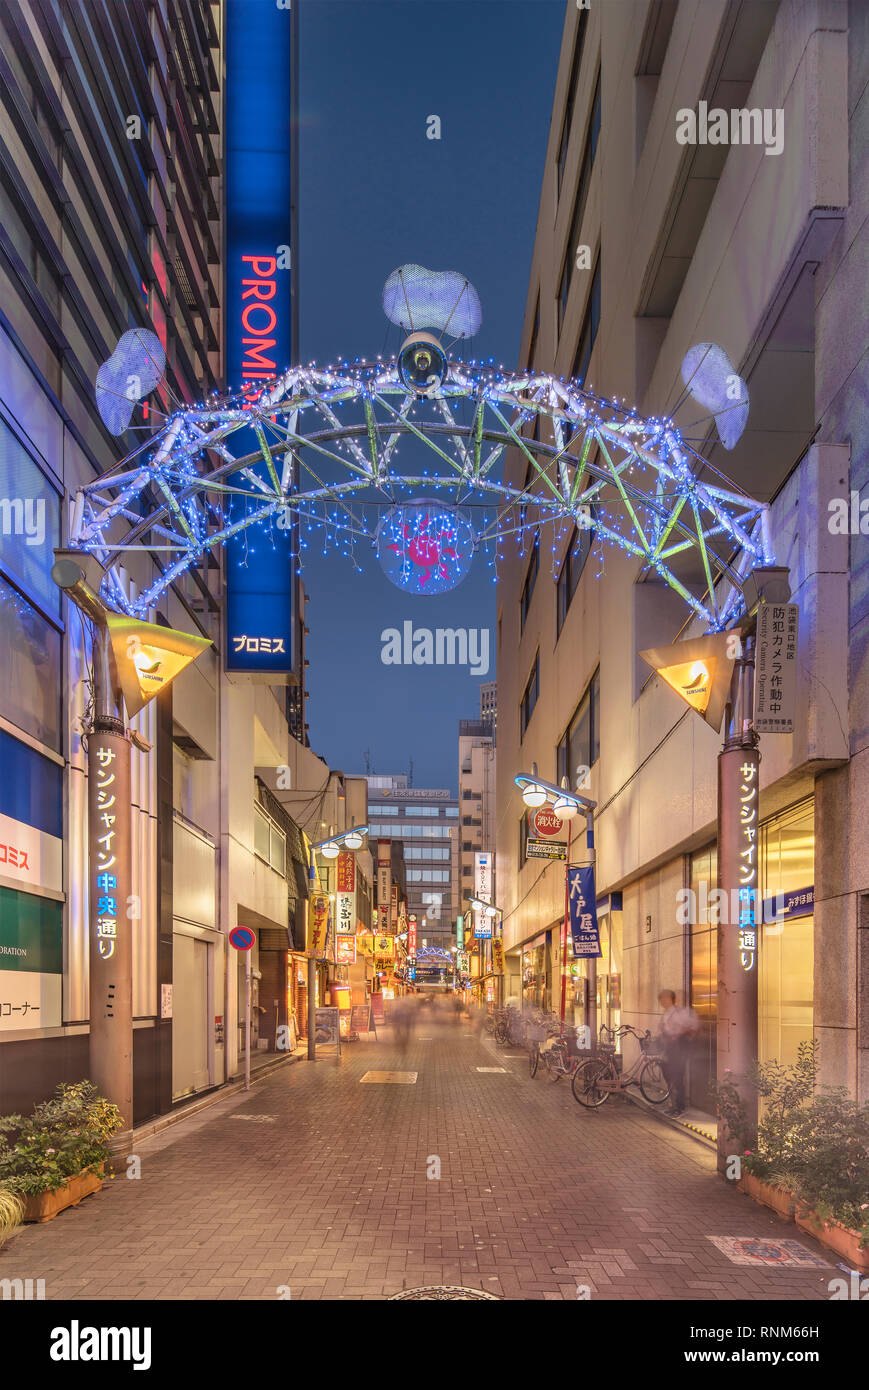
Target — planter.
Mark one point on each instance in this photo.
(836, 1237)
(44, 1206)
(782, 1203)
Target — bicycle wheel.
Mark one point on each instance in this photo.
(533, 1058)
(585, 1078)
(653, 1083)
(500, 1033)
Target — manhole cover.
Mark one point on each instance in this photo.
(434, 1291)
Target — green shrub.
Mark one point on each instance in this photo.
(814, 1145)
(64, 1136)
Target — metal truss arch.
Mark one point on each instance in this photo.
(320, 444)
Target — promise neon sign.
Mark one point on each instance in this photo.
(258, 318)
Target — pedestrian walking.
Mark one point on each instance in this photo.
(679, 1028)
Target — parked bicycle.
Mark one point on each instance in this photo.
(510, 1027)
(552, 1048)
(595, 1079)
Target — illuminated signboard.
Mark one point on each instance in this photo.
(259, 314)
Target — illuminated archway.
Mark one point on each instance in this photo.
(321, 446)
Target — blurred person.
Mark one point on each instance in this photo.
(679, 1028)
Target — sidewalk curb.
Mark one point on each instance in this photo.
(683, 1126)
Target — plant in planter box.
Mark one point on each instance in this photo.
(11, 1211)
(831, 1163)
(63, 1138)
(784, 1092)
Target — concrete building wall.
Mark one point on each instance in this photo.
(764, 254)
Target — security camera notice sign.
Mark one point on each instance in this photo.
(775, 676)
(546, 849)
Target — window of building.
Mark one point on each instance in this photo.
(571, 570)
(530, 580)
(590, 325)
(269, 841)
(535, 333)
(570, 101)
(529, 697)
(580, 746)
(573, 236)
(452, 810)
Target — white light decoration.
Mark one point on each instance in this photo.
(353, 840)
(565, 807)
(634, 483)
(330, 851)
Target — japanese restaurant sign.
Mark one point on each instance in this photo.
(345, 896)
(583, 911)
(775, 668)
(747, 794)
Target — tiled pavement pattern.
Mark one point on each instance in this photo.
(323, 1192)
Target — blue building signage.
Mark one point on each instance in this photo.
(259, 314)
(583, 912)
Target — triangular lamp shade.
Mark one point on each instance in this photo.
(148, 657)
(699, 671)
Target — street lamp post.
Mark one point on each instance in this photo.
(330, 848)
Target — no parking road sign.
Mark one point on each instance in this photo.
(242, 938)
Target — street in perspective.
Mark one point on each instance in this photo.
(434, 696)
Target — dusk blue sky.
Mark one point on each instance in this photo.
(374, 194)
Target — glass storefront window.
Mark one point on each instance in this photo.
(786, 1002)
(30, 676)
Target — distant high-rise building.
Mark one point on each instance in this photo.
(489, 703)
(426, 821)
(477, 806)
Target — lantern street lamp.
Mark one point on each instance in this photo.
(330, 848)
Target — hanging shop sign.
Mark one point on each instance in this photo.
(384, 881)
(393, 907)
(546, 849)
(483, 926)
(460, 930)
(148, 657)
(345, 896)
(384, 946)
(318, 925)
(483, 876)
(411, 936)
(699, 670)
(775, 668)
(31, 961)
(345, 868)
(498, 955)
(583, 912)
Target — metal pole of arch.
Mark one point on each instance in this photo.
(738, 877)
(110, 945)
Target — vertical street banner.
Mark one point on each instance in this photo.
(259, 317)
(111, 914)
(483, 876)
(384, 882)
(318, 925)
(498, 955)
(345, 894)
(775, 668)
(583, 911)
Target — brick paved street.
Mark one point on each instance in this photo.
(318, 1183)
